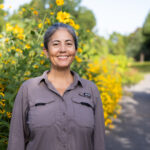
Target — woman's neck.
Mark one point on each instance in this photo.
(60, 75)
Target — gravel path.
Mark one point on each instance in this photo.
(132, 128)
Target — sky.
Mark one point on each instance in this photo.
(123, 16)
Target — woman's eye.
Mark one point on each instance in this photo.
(55, 44)
(69, 43)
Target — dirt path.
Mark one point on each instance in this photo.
(132, 128)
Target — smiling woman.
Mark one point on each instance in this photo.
(60, 46)
(59, 109)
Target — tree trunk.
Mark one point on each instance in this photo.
(141, 57)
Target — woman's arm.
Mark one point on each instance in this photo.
(99, 129)
(17, 126)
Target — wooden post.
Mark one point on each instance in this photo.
(141, 57)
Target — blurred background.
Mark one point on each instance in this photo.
(114, 53)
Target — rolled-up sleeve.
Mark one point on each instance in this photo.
(99, 129)
(17, 135)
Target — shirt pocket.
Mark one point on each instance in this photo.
(42, 112)
(83, 111)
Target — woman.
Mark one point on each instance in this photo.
(58, 110)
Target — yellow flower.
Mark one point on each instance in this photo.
(1, 6)
(40, 25)
(1, 36)
(47, 21)
(27, 73)
(9, 27)
(20, 36)
(42, 45)
(18, 30)
(10, 6)
(88, 30)
(51, 13)
(80, 50)
(0, 54)
(23, 9)
(8, 114)
(7, 39)
(59, 2)
(32, 8)
(2, 111)
(111, 126)
(26, 78)
(47, 65)
(42, 62)
(35, 66)
(76, 26)
(19, 50)
(13, 47)
(27, 46)
(35, 12)
(63, 17)
(13, 62)
(2, 104)
(42, 54)
(20, 12)
(105, 115)
(115, 116)
(78, 59)
(71, 22)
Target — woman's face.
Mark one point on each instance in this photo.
(61, 49)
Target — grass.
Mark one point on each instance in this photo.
(142, 67)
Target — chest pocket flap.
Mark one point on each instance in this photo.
(42, 112)
(83, 111)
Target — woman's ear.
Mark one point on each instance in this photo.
(46, 52)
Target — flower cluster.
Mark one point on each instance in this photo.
(65, 17)
(59, 2)
(108, 81)
(16, 30)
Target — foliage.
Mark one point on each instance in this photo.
(139, 42)
(2, 15)
(134, 47)
(82, 15)
(117, 44)
(21, 59)
(146, 26)
(146, 33)
(128, 74)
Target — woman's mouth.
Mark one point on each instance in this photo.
(63, 56)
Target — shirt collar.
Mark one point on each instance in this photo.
(77, 78)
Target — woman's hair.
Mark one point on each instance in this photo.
(52, 29)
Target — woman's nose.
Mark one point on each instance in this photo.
(62, 48)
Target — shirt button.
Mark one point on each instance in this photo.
(64, 113)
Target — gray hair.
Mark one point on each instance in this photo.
(52, 29)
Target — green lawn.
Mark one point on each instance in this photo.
(143, 67)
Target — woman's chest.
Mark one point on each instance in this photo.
(73, 108)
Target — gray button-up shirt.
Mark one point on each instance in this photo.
(42, 119)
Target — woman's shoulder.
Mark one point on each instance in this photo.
(88, 83)
(31, 82)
